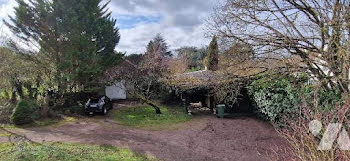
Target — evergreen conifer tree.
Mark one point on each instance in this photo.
(77, 36)
(212, 59)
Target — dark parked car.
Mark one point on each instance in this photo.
(98, 105)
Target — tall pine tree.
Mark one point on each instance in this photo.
(212, 59)
(77, 36)
(158, 47)
(156, 56)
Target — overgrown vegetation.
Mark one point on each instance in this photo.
(26, 111)
(62, 49)
(274, 98)
(66, 152)
(77, 40)
(279, 97)
(312, 35)
(6, 110)
(145, 76)
(293, 56)
(288, 38)
(305, 143)
(191, 57)
(144, 117)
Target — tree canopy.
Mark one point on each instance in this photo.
(78, 38)
(193, 56)
(314, 31)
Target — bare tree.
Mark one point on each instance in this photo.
(316, 32)
(134, 76)
(145, 75)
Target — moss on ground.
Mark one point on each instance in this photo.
(67, 152)
(53, 122)
(144, 117)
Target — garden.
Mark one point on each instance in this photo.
(274, 78)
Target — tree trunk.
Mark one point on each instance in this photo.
(14, 96)
(36, 90)
(45, 108)
(185, 104)
(145, 100)
(212, 102)
(19, 88)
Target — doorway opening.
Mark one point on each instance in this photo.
(243, 105)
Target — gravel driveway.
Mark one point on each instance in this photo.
(204, 138)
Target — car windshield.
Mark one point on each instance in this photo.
(94, 100)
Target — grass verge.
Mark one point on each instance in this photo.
(144, 117)
(67, 152)
(49, 122)
(53, 122)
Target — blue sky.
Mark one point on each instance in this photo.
(181, 22)
(131, 21)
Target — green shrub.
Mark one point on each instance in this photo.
(326, 100)
(5, 112)
(274, 98)
(76, 110)
(279, 98)
(26, 111)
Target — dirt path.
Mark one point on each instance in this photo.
(208, 138)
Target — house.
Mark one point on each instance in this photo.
(117, 91)
(120, 88)
(210, 88)
(201, 86)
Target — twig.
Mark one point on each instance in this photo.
(19, 136)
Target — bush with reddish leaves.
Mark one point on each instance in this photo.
(304, 144)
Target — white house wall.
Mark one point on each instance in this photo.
(116, 91)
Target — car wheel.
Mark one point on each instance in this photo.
(104, 110)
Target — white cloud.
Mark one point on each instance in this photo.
(181, 24)
(134, 40)
(6, 9)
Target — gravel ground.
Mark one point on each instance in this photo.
(204, 138)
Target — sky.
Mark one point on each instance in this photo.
(180, 22)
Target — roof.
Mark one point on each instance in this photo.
(203, 78)
(122, 69)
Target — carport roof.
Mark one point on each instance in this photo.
(198, 79)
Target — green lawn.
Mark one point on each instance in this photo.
(144, 117)
(43, 123)
(53, 122)
(67, 152)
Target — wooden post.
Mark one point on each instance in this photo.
(212, 103)
(207, 101)
(184, 102)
